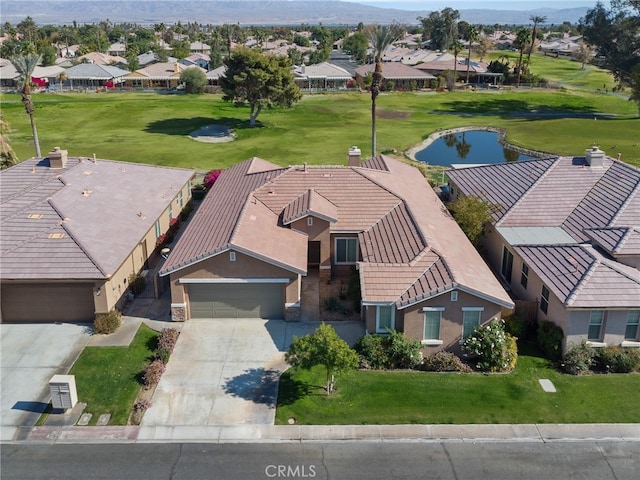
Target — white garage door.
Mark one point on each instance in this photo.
(245, 300)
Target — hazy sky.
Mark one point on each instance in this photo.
(492, 4)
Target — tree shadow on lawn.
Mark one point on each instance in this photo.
(292, 390)
(513, 108)
(184, 126)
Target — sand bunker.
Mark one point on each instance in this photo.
(213, 134)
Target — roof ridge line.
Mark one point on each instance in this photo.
(587, 275)
(532, 187)
(626, 203)
(613, 265)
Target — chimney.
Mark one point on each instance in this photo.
(57, 158)
(176, 69)
(354, 156)
(595, 157)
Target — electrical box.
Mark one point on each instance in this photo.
(63, 391)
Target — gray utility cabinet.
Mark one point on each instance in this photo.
(63, 391)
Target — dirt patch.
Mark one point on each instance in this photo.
(392, 114)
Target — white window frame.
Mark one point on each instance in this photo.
(309, 221)
(346, 239)
(633, 320)
(471, 309)
(180, 199)
(170, 211)
(393, 318)
(596, 318)
(232, 256)
(454, 295)
(158, 229)
(524, 276)
(432, 341)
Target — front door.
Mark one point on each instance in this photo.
(313, 253)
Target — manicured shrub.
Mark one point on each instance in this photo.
(578, 359)
(152, 373)
(550, 339)
(106, 323)
(142, 405)
(404, 352)
(371, 349)
(515, 326)
(168, 338)
(136, 283)
(492, 348)
(186, 210)
(617, 359)
(443, 362)
(163, 355)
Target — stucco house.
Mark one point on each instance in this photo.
(274, 242)
(400, 74)
(74, 229)
(566, 234)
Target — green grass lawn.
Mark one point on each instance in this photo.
(153, 128)
(410, 397)
(108, 378)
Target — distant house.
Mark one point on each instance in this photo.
(201, 60)
(8, 74)
(274, 242)
(74, 229)
(158, 75)
(322, 76)
(566, 235)
(117, 49)
(94, 75)
(102, 59)
(399, 74)
(213, 76)
(200, 47)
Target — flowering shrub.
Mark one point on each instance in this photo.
(210, 178)
(152, 373)
(142, 405)
(168, 338)
(578, 359)
(392, 351)
(174, 221)
(443, 362)
(161, 240)
(493, 349)
(617, 360)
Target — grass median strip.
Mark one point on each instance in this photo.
(409, 397)
(109, 378)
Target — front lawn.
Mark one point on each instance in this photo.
(374, 397)
(108, 378)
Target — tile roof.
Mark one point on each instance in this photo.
(94, 71)
(310, 203)
(81, 221)
(323, 70)
(395, 70)
(583, 278)
(411, 247)
(616, 240)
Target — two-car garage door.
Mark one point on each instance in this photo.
(236, 300)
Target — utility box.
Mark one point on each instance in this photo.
(63, 391)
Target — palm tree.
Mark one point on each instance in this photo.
(25, 64)
(522, 40)
(380, 37)
(536, 19)
(62, 77)
(456, 46)
(7, 155)
(472, 36)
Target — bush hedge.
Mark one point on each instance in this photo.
(392, 351)
(106, 323)
(617, 359)
(578, 359)
(550, 339)
(443, 362)
(492, 348)
(152, 373)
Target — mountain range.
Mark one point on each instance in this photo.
(254, 12)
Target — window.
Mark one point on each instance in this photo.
(633, 321)
(170, 211)
(454, 296)
(346, 250)
(180, 200)
(544, 301)
(157, 227)
(309, 221)
(507, 264)
(595, 325)
(470, 320)
(524, 277)
(432, 318)
(232, 256)
(385, 318)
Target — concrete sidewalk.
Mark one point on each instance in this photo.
(531, 433)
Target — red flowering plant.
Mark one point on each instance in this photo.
(210, 178)
(161, 240)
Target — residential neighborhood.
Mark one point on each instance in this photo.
(373, 233)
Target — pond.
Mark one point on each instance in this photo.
(471, 147)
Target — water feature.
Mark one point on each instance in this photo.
(471, 147)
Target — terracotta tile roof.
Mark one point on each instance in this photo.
(501, 184)
(81, 221)
(582, 278)
(411, 246)
(310, 203)
(616, 240)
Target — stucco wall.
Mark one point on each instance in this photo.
(613, 327)
(318, 232)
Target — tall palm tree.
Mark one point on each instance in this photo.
(522, 40)
(536, 19)
(471, 36)
(62, 77)
(380, 37)
(25, 64)
(456, 46)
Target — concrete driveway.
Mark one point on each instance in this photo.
(226, 371)
(31, 355)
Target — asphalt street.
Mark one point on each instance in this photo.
(334, 460)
